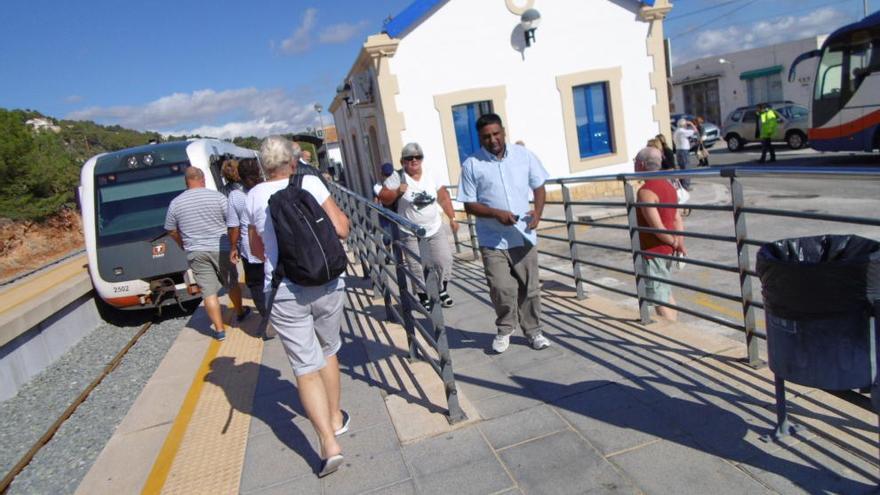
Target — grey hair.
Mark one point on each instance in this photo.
(650, 158)
(411, 149)
(277, 152)
(681, 123)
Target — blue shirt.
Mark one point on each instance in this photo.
(505, 184)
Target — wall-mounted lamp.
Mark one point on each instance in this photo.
(529, 23)
(344, 92)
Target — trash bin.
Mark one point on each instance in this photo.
(818, 301)
(819, 295)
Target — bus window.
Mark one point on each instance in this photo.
(859, 59)
(829, 77)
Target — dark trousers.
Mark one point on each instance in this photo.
(253, 279)
(765, 146)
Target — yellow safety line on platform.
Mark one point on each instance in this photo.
(26, 290)
(162, 466)
(735, 314)
(204, 453)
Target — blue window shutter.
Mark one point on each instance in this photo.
(592, 119)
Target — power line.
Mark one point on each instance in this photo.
(700, 11)
(691, 30)
(712, 20)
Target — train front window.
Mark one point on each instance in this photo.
(132, 204)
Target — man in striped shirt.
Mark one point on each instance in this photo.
(196, 220)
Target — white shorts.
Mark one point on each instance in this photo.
(308, 321)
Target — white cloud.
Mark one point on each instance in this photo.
(300, 41)
(340, 33)
(259, 128)
(303, 38)
(73, 99)
(761, 33)
(244, 111)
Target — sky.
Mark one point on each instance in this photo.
(229, 68)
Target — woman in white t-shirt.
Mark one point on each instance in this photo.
(307, 318)
(423, 203)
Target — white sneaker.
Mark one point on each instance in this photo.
(540, 342)
(501, 343)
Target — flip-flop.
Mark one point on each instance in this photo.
(346, 421)
(330, 465)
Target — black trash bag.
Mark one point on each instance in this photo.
(819, 277)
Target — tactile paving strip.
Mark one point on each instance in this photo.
(211, 454)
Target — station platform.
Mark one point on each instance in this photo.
(612, 406)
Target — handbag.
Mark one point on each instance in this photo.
(682, 193)
(702, 153)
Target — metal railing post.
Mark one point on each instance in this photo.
(432, 282)
(742, 261)
(403, 288)
(636, 246)
(472, 232)
(572, 238)
(380, 238)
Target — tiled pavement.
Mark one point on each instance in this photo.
(611, 407)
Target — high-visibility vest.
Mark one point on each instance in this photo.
(769, 121)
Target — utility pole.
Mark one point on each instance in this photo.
(865, 5)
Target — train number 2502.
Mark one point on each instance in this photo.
(120, 288)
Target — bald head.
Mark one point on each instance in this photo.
(648, 159)
(194, 177)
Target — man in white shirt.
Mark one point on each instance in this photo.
(420, 201)
(307, 319)
(681, 138)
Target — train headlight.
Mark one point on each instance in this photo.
(132, 162)
(148, 160)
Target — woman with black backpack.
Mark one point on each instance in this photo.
(296, 227)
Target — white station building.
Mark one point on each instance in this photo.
(584, 90)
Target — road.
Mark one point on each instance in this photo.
(830, 196)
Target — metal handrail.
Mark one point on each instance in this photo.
(738, 238)
(377, 241)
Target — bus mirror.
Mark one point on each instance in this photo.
(803, 56)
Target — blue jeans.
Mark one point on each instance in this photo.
(684, 163)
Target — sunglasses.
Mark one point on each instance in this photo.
(411, 158)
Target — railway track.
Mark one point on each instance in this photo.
(46, 437)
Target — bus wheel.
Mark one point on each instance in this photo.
(795, 140)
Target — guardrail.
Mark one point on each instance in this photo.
(738, 238)
(376, 239)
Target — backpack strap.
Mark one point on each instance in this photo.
(296, 181)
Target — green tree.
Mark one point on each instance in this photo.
(38, 173)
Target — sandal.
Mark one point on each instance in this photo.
(346, 422)
(330, 465)
(446, 300)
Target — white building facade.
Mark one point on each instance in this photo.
(714, 86)
(584, 96)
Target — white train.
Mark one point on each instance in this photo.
(124, 196)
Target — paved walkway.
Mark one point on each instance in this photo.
(611, 407)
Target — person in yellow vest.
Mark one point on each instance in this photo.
(768, 120)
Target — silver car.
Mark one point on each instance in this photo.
(740, 125)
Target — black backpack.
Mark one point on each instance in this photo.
(309, 251)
